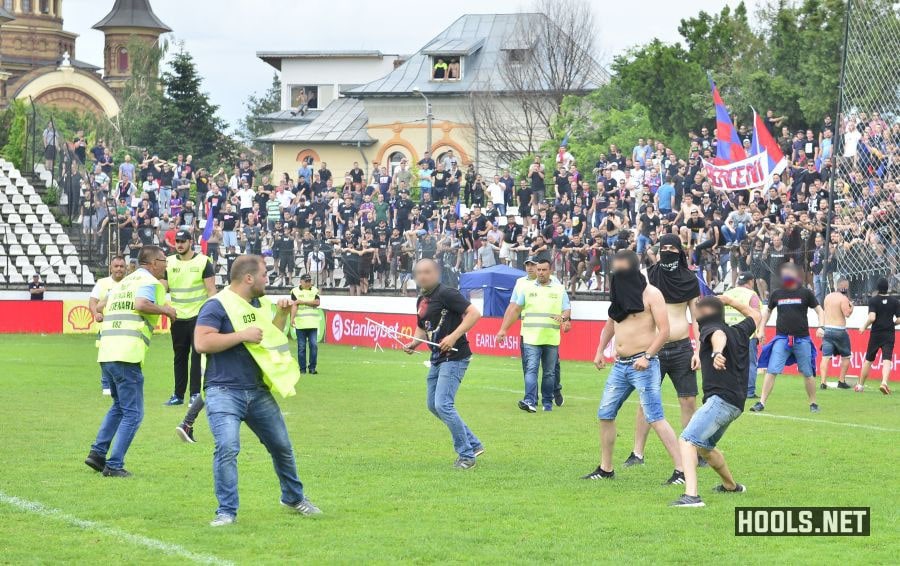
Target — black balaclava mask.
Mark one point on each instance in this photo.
(671, 274)
(626, 292)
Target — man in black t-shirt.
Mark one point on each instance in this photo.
(724, 361)
(884, 311)
(443, 316)
(793, 301)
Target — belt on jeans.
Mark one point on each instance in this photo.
(676, 343)
(632, 359)
(838, 328)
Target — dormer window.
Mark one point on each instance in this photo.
(446, 67)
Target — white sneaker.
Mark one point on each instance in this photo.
(858, 388)
(222, 520)
(107, 392)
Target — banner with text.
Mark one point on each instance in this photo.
(741, 175)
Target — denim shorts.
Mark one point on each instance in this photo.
(802, 349)
(622, 380)
(675, 361)
(710, 422)
(836, 342)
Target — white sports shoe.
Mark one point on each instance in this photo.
(222, 520)
(107, 392)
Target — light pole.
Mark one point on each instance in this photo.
(428, 117)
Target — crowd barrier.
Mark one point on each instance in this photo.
(349, 326)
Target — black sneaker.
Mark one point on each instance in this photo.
(95, 461)
(754, 396)
(174, 400)
(633, 460)
(314, 372)
(600, 474)
(813, 407)
(843, 385)
(558, 399)
(688, 501)
(739, 488)
(758, 407)
(116, 473)
(185, 433)
(825, 385)
(677, 478)
(464, 463)
(527, 407)
(478, 451)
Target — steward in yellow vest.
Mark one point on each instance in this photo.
(248, 357)
(744, 294)
(97, 301)
(132, 310)
(545, 310)
(190, 278)
(305, 317)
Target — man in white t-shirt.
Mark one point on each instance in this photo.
(245, 200)
(495, 192)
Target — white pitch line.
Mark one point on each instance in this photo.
(153, 544)
(769, 415)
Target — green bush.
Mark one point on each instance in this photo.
(14, 149)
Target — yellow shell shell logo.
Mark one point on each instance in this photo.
(81, 318)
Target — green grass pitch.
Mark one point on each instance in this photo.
(379, 466)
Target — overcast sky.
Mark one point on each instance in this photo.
(224, 35)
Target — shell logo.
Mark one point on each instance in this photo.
(80, 318)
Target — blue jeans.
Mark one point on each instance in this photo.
(710, 422)
(802, 350)
(126, 384)
(557, 387)
(443, 382)
(546, 357)
(737, 235)
(642, 243)
(165, 196)
(819, 287)
(751, 379)
(310, 335)
(622, 380)
(226, 409)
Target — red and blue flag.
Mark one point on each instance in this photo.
(728, 145)
(763, 141)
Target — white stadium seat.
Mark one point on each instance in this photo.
(20, 229)
(71, 279)
(52, 278)
(87, 278)
(45, 239)
(3, 198)
(73, 261)
(14, 219)
(26, 239)
(25, 209)
(34, 199)
(48, 219)
(63, 269)
(16, 249)
(8, 209)
(42, 209)
(52, 250)
(35, 249)
(62, 239)
(69, 249)
(56, 228)
(40, 261)
(10, 238)
(31, 219)
(28, 271)
(55, 260)
(38, 229)
(28, 190)
(15, 278)
(22, 261)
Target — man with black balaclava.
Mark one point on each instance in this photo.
(639, 321)
(677, 359)
(724, 361)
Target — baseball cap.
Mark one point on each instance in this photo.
(183, 235)
(306, 277)
(744, 277)
(530, 259)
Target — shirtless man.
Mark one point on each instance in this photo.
(640, 323)
(835, 340)
(677, 358)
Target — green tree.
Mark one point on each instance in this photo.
(251, 127)
(142, 96)
(187, 120)
(14, 148)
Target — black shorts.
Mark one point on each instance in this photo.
(883, 342)
(675, 361)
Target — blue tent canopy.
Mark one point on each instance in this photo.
(497, 282)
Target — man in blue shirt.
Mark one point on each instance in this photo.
(665, 197)
(235, 392)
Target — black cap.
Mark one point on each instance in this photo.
(306, 277)
(530, 259)
(183, 235)
(744, 277)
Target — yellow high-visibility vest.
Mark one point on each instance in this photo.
(104, 288)
(186, 284)
(307, 316)
(542, 302)
(125, 332)
(742, 295)
(273, 355)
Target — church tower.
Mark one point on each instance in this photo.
(128, 20)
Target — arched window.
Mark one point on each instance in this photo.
(27, 6)
(394, 160)
(122, 60)
(8, 5)
(45, 6)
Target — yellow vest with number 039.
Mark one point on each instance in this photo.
(743, 296)
(125, 332)
(273, 354)
(186, 284)
(307, 316)
(542, 302)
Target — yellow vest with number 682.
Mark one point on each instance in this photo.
(186, 284)
(307, 316)
(542, 302)
(125, 332)
(273, 354)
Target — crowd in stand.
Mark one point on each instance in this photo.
(363, 229)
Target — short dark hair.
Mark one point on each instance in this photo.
(245, 265)
(627, 255)
(147, 254)
(541, 260)
(117, 258)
